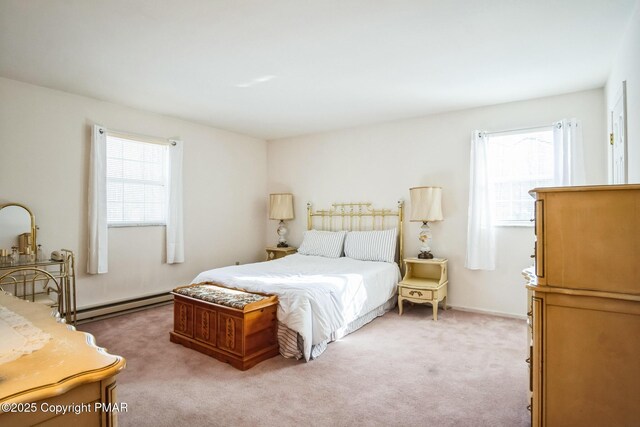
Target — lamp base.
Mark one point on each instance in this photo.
(425, 255)
(282, 232)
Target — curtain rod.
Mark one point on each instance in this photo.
(523, 129)
(145, 138)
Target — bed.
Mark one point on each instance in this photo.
(323, 298)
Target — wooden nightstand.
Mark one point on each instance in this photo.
(425, 280)
(274, 252)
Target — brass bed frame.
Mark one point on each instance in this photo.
(359, 217)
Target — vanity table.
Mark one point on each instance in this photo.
(46, 281)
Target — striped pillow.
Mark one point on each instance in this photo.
(371, 245)
(322, 243)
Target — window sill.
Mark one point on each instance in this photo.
(520, 224)
(135, 225)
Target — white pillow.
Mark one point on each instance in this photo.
(322, 243)
(371, 245)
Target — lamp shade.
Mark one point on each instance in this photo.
(281, 206)
(426, 203)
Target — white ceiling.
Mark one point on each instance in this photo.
(337, 63)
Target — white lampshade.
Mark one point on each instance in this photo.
(281, 206)
(426, 203)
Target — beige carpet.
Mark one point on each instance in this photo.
(464, 370)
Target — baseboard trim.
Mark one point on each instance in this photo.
(116, 309)
(493, 313)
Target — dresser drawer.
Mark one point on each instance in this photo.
(416, 293)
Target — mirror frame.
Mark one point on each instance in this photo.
(34, 243)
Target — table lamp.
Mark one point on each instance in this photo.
(281, 208)
(426, 207)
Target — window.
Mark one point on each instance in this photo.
(136, 182)
(518, 162)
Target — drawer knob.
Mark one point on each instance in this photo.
(415, 292)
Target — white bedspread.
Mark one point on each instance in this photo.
(317, 295)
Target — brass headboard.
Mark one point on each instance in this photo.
(358, 217)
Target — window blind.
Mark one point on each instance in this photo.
(136, 182)
(518, 162)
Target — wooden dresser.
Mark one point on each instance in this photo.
(69, 381)
(585, 307)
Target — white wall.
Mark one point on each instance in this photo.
(44, 140)
(380, 163)
(44, 149)
(626, 66)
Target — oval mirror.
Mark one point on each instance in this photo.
(17, 227)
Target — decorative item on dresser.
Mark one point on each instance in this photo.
(274, 252)
(68, 371)
(585, 306)
(281, 208)
(425, 281)
(25, 273)
(426, 206)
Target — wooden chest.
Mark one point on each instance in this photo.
(236, 327)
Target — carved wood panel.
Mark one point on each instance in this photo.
(183, 318)
(230, 330)
(205, 325)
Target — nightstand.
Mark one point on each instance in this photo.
(425, 281)
(274, 252)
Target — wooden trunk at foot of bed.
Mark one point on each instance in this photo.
(239, 337)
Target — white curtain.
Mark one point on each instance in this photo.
(568, 157)
(97, 262)
(175, 230)
(481, 248)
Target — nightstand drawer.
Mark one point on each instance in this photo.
(416, 293)
(276, 253)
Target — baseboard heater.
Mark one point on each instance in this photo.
(123, 307)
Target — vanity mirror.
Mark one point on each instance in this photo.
(31, 277)
(17, 228)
